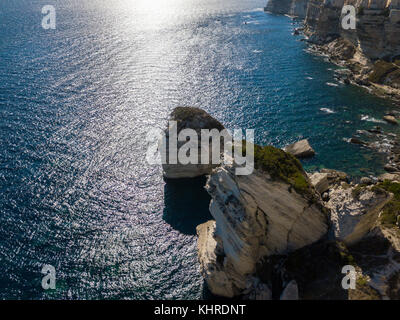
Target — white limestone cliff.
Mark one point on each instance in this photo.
(354, 211)
(255, 216)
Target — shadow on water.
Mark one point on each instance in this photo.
(186, 204)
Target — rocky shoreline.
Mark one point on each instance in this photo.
(282, 233)
(371, 52)
(364, 60)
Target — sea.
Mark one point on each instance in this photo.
(76, 104)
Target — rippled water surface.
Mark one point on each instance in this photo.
(76, 103)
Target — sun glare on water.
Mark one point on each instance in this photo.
(157, 12)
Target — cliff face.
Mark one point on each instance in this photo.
(376, 37)
(279, 6)
(377, 27)
(269, 241)
(297, 8)
(270, 237)
(371, 51)
(256, 216)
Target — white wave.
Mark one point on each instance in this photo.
(332, 84)
(309, 78)
(371, 119)
(327, 110)
(257, 10)
(257, 51)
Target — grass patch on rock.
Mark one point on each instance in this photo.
(196, 116)
(282, 166)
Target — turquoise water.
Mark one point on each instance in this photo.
(77, 102)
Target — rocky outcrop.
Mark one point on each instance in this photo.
(188, 118)
(390, 119)
(389, 177)
(274, 237)
(268, 242)
(272, 211)
(320, 182)
(300, 149)
(354, 210)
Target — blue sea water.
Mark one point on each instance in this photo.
(76, 104)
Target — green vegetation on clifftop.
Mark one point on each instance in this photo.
(196, 116)
(281, 165)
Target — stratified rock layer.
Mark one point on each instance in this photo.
(354, 211)
(256, 216)
(296, 8)
(375, 37)
(279, 7)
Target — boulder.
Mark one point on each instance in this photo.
(389, 176)
(300, 149)
(320, 182)
(357, 141)
(390, 119)
(394, 113)
(189, 118)
(291, 291)
(335, 176)
(376, 129)
(366, 180)
(390, 168)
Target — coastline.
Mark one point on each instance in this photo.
(355, 76)
(356, 69)
(351, 222)
(369, 47)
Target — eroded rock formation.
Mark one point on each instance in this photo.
(279, 234)
(272, 211)
(354, 211)
(188, 118)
